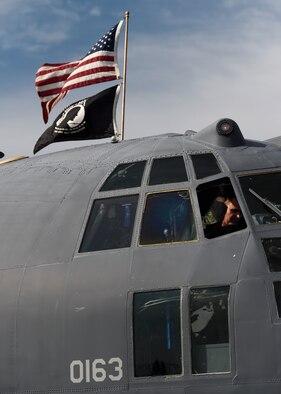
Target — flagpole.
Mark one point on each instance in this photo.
(124, 75)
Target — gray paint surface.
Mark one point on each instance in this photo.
(58, 305)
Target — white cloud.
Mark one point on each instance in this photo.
(95, 11)
(189, 81)
(34, 24)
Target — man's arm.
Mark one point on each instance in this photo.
(216, 212)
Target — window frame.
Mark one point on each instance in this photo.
(216, 157)
(153, 159)
(187, 377)
(232, 368)
(181, 339)
(215, 182)
(273, 278)
(110, 172)
(88, 217)
(139, 381)
(156, 191)
(254, 173)
(263, 241)
(277, 307)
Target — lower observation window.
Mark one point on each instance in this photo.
(157, 333)
(210, 352)
(110, 224)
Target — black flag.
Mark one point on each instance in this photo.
(90, 118)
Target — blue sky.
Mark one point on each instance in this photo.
(190, 62)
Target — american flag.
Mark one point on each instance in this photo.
(53, 81)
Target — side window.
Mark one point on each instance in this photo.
(205, 165)
(167, 218)
(277, 291)
(157, 333)
(210, 351)
(272, 248)
(263, 197)
(110, 224)
(125, 176)
(220, 210)
(167, 170)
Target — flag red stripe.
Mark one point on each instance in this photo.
(50, 92)
(96, 70)
(57, 90)
(59, 78)
(64, 66)
(90, 82)
(55, 67)
(65, 77)
(101, 58)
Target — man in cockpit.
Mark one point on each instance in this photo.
(223, 217)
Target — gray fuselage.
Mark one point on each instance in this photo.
(81, 320)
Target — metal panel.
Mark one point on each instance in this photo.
(191, 263)
(10, 283)
(40, 354)
(258, 356)
(96, 316)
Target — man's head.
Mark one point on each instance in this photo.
(233, 212)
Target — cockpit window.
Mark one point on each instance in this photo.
(205, 165)
(210, 350)
(110, 224)
(157, 333)
(220, 210)
(126, 175)
(167, 170)
(168, 218)
(263, 195)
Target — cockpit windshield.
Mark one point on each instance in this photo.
(263, 195)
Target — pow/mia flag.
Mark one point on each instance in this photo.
(90, 118)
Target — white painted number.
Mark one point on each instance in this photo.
(98, 373)
(97, 370)
(76, 374)
(118, 368)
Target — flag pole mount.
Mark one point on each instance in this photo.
(124, 74)
(114, 139)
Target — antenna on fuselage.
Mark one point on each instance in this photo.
(224, 132)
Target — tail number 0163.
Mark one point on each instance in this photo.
(96, 370)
